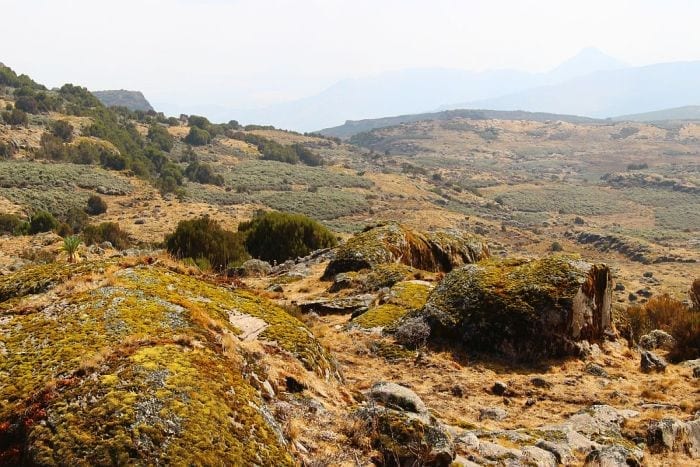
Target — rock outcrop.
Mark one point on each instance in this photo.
(403, 430)
(522, 308)
(394, 243)
(139, 364)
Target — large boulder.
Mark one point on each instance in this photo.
(671, 435)
(395, 243)
(144, 365)
(525, 309)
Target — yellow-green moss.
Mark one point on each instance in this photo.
(171, 405)
(403, 298)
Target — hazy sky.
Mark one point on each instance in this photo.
(247, 53)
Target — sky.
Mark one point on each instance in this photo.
(251, 53)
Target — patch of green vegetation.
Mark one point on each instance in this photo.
(390, 351)
(403, 298)
(323, 204)
(273, 176)
(565, 199)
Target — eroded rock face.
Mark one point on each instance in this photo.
(522, 308)
(394, 243)
(671, 435)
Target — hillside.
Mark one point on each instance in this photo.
(132, 100)
(351, 128)
(488, 288)
(688, 112)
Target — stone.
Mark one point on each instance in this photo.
(523, 309)
(397, 396)
(395, 243)
(492, 413)
(499, 388)
(650, 362)
(254, 268)
(612, 456)
(657, 339)
(532, 455)
(596, 370)
(355, 304)
(540, 382)
(672, 435)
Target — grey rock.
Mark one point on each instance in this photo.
(106, 245)
(492, 413)
(540, 382)
(612, 456)
(396, 396)
(652, 362)
(353, 305)
(254, 268)
(674, 435)
(140, 221)
(657, 339)
(596, 370)
(494, 451)
(533, 455)
(276, 288)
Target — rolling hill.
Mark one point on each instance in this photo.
(132, 100)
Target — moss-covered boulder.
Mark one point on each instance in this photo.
(395, 243)
(107, 363)
(402, 298)
(522, 308)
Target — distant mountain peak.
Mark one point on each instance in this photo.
(588, 60)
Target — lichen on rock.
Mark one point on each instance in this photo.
(395, 243)
(522, 308)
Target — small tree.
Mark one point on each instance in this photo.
(96, 205)
(70, 246)
(197, 137)
(204, 238)
(42, 221)
(277, 236)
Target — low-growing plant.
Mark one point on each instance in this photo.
(62, 129)
(96, 205)
(70, 246)
(42, 221)
(12, 224)
(106, 232)
(197, 137)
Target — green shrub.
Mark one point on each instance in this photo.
(106, 232)
(159, 136)
(11, 224)
(7, 150)
(556, 246)
(276, 236)
(51, 147)
(204, 238)
(197, 137)
(42, 221)
(203, 173)
(62, 129)
(26, 104)
(96, 205)
(75, 219)
(15, 117)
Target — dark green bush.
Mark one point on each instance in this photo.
(76, 219)
(51, 147)
(62, 129)
(42, 221)
(204, 238)
(26, 104)
(203, 173)
(96, 205)
(106, 232)
(159, 136)
(276, 236)
(12, 224)
(197, 137)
